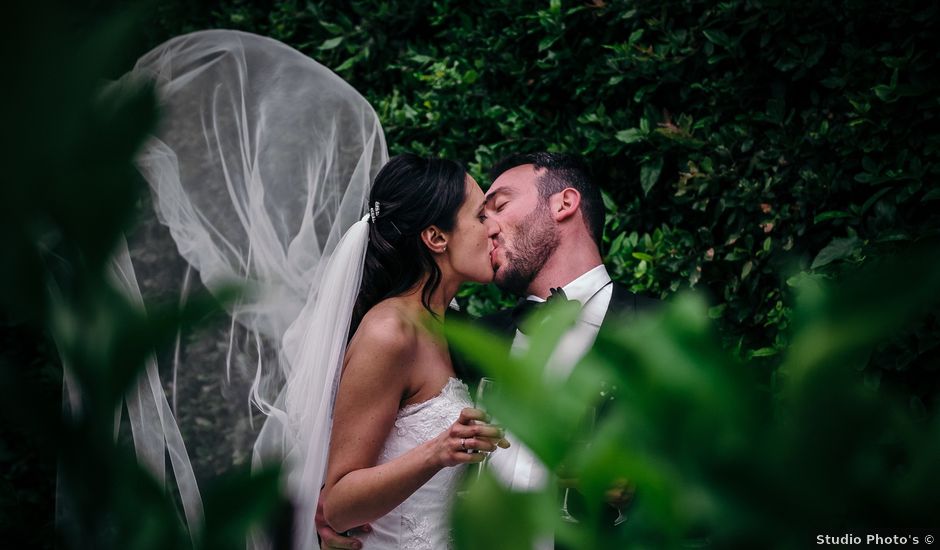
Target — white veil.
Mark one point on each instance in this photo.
(262, 162)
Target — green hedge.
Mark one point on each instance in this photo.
(739, 142)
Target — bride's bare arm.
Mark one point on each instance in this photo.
(374, 381)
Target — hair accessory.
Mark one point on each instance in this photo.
(375, 211)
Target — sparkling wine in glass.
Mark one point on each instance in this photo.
(485, 387)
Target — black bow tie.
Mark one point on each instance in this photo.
(527, 307)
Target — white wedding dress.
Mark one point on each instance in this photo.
(422, 521)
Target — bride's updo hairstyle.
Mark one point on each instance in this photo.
(412, 193)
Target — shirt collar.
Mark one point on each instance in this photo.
(584, 287)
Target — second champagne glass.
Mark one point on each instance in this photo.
(582, 438)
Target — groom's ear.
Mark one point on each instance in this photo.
(434, 239)
(564, 203)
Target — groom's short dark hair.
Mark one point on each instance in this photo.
(562, 170)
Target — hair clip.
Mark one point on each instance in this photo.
(374, 211)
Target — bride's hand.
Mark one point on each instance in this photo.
(467, 440)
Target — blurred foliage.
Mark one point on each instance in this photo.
(738, 142)
(69, 192)
(746, 148)
(717, 459)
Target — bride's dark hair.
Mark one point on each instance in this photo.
(413, 193)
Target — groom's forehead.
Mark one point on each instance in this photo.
(496, 190)
(514, 181)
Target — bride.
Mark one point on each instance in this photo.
(261, 165)
(402, 422)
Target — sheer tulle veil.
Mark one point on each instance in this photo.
(260, 168)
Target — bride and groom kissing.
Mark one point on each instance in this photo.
(408, 424)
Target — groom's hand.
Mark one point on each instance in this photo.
(331, 539)
(620, 494)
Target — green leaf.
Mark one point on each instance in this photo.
(331, 43)
(631, 135)
(837, 249)
(873, 199)
(514, 518)
(347, 64)
(746, 269)
(332, 28)
(649, 174)
(547, 42)
(764, 352)
(716, 312)
(718, 38)
(831, 215)
(617, 244)
(642, 256)
(931, 195)
(241, 502)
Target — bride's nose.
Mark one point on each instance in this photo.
(492, 228)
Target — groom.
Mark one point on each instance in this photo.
(549, 221)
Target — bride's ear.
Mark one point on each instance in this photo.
(434, 239)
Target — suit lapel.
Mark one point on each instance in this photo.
(625, 305)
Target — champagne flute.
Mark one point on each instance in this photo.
(586, 431)
(608, 394)
(619, 504)
(485, 387)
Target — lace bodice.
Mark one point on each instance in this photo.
(421, 522)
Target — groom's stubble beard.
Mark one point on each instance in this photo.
(533, 242)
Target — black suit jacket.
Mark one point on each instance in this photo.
(623, 305)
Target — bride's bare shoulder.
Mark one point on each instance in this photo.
(385, 329)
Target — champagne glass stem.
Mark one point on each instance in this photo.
(485, 385)
(565, 514)
(620, 516)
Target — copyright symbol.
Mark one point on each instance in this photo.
(928, 539)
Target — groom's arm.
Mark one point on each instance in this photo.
(330, 539)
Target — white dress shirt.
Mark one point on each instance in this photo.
(517, 467)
